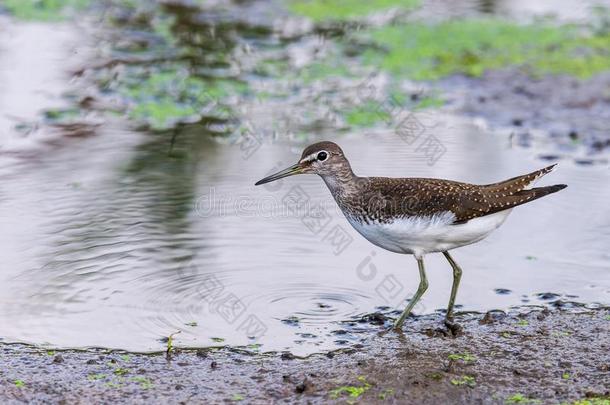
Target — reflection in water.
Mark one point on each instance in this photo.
(33, 59)
(487, 6)
(123, 249)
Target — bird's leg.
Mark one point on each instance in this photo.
(457, 275)
(423, 286)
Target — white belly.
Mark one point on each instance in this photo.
(421, 235)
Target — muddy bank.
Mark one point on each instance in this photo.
(526, 356)
(561, 115)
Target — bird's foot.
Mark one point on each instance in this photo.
(454, 328)
(396, 326)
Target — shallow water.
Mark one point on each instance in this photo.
(119, 240)
(119, 246)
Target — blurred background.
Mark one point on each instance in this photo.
(132, 132)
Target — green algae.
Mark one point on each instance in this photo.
(385, 394)
(592, 401)
(465, 357)
(120, 371)
(352, 391)
(164, 98)
(372, 112)
(43, 10)
(472, 46)
(323, 70)
(171, 68)
(464, 380)
(521, 399)
(431, 101)
(338, 10)
(366, 115)
(144, 382)
(62, 115)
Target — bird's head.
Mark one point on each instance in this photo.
(323, 158)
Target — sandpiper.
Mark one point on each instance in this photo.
(417, 215)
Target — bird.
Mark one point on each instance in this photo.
(417, 216)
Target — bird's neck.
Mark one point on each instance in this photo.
(340, 181)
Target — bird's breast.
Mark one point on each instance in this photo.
(426, 234)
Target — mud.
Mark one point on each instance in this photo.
(558, 354)
(561, 115)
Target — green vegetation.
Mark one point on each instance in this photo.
(464, 380)
(466, 357)
(112, 384)
(61, 116)
(566, 376)
(367, 115)
(435, 376)
(521, 399)
(323, 70)
(352, 391)
(170, 345)
(44, 10)
(383, 395)
(427, 52)
(592, 401)
(237, 397)
(255, 347)
(429, 102)
(161, 99)
(96, 377)
(19, 383)
(121, 371)
(372, 112)
(523, 322)
(144, 382)
(325, 10)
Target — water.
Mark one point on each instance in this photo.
(118, 240)
(113, 243)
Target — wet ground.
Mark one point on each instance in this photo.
(536, 356)
(528, 109)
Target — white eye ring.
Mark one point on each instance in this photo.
(322, 156)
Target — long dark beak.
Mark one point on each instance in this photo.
(291, 171)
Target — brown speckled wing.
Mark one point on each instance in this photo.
(386, 198)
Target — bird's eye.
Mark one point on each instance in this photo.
(322, 156)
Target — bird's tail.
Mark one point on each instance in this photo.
(518, 190)
(520, 183)
(537, 192)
